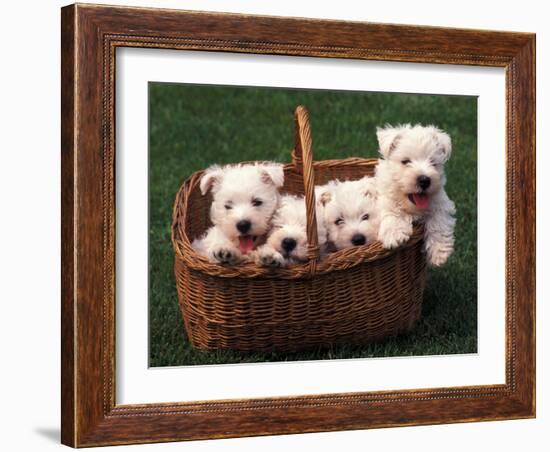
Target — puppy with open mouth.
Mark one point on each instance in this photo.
(287, 241)
(245, 198)
(411, 185)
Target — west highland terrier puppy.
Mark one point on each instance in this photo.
(410, 181)
(245, 197)
(287, 241)
(350, 210)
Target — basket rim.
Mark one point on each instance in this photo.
(336, 261)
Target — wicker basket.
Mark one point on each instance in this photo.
(356, 295)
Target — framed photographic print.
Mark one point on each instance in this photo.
(280, 225)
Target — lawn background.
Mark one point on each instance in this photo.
(194, 126)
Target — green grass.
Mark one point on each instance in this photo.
(193, 126)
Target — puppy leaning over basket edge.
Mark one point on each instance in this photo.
(411, 187)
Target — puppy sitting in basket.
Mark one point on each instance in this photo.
(287, 241)
(244, 199)
(411, 183)
(350, 211)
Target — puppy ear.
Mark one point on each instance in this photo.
(273, 174)
(388, 138)
(444, 144)
(211, 177)
(372, 194)
(324, 198)
(369, 188)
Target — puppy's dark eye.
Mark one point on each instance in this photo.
(339, 221)
(257, 202)
(405, 161)
(228, 206)
(365, 217)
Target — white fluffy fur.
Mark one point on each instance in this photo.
(289, 222)
(350, 209)
(240, 192)
(409, 152)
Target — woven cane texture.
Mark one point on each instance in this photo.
(356, 295)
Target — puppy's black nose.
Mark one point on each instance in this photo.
(244, 226)
(423, 182)
(288, 244)
(358, 239)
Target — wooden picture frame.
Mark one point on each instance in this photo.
(90, 36)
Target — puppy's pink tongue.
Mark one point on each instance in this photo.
(421, 200)
(246, 243)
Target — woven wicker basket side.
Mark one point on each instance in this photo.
(371, 301)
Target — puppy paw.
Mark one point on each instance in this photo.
(394, 237)
(438, 254)
(270, 258)
(226, 255)
(393, 233)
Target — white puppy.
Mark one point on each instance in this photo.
(287, 241)
(411, 182)
(350, 211)
(245, 197)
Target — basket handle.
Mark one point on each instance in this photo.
(302, 159)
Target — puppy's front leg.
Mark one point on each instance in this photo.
(395, 229)
(439, 233)
(219, 249)
(267, 256)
